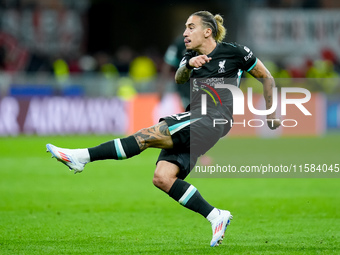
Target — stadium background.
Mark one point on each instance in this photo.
(102, 49)
(78, 73)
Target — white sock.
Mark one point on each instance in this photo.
(213, 214)
(83, 155)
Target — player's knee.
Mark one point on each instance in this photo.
(163, 182)
(159, 181)
(165, 175)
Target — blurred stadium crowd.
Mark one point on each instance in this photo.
(63, 61)
(55, 42)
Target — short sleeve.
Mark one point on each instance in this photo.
(188, 55)
(246, 58)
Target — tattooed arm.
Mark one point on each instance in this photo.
(261, 73)
(183, 73)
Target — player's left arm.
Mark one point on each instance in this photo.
(261, 73)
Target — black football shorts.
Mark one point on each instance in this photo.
(193, 134)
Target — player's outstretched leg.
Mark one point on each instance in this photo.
(76, 159)
(157, 136)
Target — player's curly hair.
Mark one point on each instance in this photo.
(215, 23)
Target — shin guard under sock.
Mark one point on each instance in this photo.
(116, 149)
(188, 196)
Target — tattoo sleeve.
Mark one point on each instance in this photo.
(261, 73)
(182, 75)
(268, 85)
(155, 136)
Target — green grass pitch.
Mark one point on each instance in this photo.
(113, 207)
